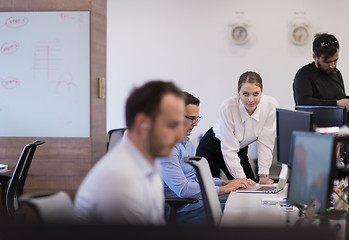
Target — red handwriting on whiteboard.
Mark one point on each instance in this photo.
(15, 22)
(68, 16)
(72, 17)
(9, 47)
(47, 57)
(65, 87)
(10, 82)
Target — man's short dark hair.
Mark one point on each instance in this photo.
(147, 99)
(190, 99)
(325, 44)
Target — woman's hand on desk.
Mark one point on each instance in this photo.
(232, 185)
(265, 180)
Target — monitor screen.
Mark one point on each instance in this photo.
(327, 116)
(288, 121)
(313, 170)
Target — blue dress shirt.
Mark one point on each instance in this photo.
(180, 178)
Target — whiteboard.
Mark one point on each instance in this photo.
(44, 74)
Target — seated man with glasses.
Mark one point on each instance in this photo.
(180, 178)
(320, 83)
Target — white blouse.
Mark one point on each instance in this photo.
(236, 129)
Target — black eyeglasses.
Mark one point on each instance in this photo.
(194, 119)
(326, 44)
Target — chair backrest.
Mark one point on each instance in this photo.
(114, 137)
(211, 200)
(54, 207)
(16, 185)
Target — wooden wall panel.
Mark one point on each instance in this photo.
(62, 163)
(98, 69)
(46, 5)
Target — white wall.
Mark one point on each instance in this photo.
(188, 42)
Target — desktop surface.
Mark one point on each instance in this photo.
(247, 210)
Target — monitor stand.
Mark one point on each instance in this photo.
(308, 218)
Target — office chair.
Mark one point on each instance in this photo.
(115, 136)
(52, 207)
(11, 191)
(175, 204)
(211, 200)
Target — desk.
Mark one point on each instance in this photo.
(247, 210)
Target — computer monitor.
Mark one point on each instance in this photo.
(288, 121)
(313, 170)
(327, 116)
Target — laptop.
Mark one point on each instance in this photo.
(260, 188)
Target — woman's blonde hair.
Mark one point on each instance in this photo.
(250, 77)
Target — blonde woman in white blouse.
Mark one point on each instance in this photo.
(246, 117)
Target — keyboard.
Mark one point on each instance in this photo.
(266, 188)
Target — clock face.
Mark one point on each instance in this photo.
(300, 35)
(240, 34)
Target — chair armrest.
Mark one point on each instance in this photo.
(175, 204)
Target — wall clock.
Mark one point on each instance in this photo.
(300, 32)
(240, 33)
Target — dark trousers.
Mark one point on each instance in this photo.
(210, 148)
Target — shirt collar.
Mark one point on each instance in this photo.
(143, 163)
(244, 114)
(184, 141)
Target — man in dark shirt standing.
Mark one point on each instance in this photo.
(320, 83)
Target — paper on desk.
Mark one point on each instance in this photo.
(273, 200)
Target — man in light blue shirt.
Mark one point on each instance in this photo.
(180, 178)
